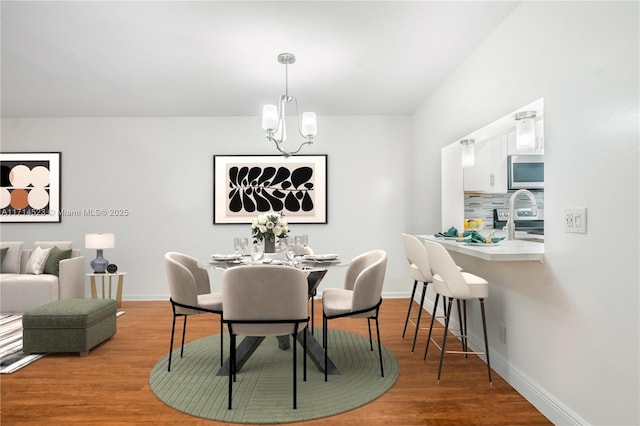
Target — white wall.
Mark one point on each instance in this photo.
(160, 169)
(572, 322)
(573, 326)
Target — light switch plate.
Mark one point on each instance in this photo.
(575, 220)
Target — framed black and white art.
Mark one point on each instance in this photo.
(247, 185)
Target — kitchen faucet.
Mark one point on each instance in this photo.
(511, 223)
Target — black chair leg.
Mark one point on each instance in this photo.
(444, 339)
(464, 320)
(221, 343)
(406, 321)
(295, 373)
(486, 341)
(184, 330)
(379, 347)
(173, 329)
(463, 332)
(304, 351)
(370, 339)
(415, 335)
(232, 365)
(444, 305)
(433, 318)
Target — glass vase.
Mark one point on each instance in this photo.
(269, 246)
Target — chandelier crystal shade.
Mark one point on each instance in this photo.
(273, 117)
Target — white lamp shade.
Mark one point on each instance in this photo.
(525, 134)
(269, 117)
(468, 154)
(99, 241)
(309, 124)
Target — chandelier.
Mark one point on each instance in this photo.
(273, 118)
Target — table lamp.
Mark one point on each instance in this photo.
(99, 242)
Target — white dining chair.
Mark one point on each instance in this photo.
(452, 283)
(360, 297)
(265, 300)
(191, 294)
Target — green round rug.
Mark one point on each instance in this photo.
(263, 390)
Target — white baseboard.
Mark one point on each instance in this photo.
(546, 403)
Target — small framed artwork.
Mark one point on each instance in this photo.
(246, 185)
(29, 187)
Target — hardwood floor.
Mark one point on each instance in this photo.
(111, 385)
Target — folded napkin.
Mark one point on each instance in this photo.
(474, 236)
(452, 232)
(479, 238)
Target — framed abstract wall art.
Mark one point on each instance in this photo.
(29, 187)
(247, 185)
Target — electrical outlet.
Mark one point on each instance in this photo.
(502, 333)
(575, 220)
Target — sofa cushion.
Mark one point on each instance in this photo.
(52, 265)
(3, 251)
(48, 244)
(21, 292)
(11, 260)
(35, 264)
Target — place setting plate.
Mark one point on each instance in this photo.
(226, 257)
(321, 258)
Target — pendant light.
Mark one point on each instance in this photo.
(468, 152)
(525, 131)
(273, 117)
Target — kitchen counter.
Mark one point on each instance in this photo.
(505, 250)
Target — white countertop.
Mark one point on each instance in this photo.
(505, 250)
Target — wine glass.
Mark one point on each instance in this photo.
(257, 251)
(244, 244)
(289, 249)
(236, 245)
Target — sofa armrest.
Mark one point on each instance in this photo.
(72, 277)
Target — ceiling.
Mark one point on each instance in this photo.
(216, 58)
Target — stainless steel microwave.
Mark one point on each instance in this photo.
(526, 171)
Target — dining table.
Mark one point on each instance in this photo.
(316, 267)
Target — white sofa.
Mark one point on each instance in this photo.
(21, 291)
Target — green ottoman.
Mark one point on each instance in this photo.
(68, 325)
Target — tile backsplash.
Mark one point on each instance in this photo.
(482, 205)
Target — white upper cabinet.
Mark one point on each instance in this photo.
(489, 174)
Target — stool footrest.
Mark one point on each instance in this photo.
(68, 325)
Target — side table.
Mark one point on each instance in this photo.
(94, 291)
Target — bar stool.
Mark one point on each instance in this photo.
(450, 282)
(419, 271)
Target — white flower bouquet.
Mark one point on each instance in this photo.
(270, 225)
